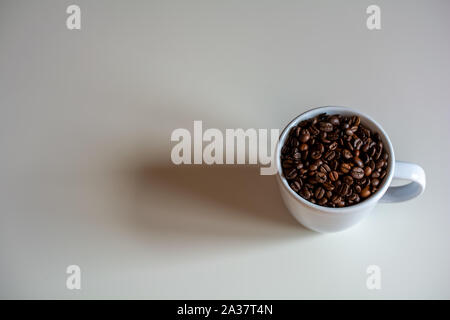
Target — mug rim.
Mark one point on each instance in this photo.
(372, 199)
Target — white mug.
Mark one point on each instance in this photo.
(327, 219)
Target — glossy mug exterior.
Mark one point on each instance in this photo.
(325, 219)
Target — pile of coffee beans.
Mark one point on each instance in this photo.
(333, 160)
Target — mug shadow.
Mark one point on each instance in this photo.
(206, 203)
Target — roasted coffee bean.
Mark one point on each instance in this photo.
(357, 173)
(313, 130)
(334, 160)
(325, 126)
(318, 162)
(375, 174)
(304, 137)
(375, 182)
(288, 163)
(329, 155)
(321, 177)
(355, 121)
(358, 162)
(316, 154)
(333, 146)
(365, 192)
(333, 175)
(379, 164)
(334, 120)
(357, 143)
(347, 154)
(334, 135)
(343, 189)
(305, 193)
(305, 155)
(335, 199)
(325, 168)
(320, 147)
(292, 174)
(295, 186)
(319, 193)
(348, 180)
(365, 147)
(345, 167)
(328, 185)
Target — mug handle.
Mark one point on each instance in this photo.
(408, 171)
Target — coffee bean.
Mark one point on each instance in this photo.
(357, 173)
(313, 130)
(365, 192)
(336, 199)
(292, 174)
(348, 180)
(347, 154)
(328, 185)
(316, 154)
(303, 147)
(288, 163)
(333, 146)
(321, 177)
(330, 155)
(305, 193)
(333, 175)
(334, 120)
(357, 143)
(304, 137)
(325, 126)
(358, 162)
(379, 164)
(319, 193)
(295, 186)
(375, 182)
(345, 167)
(356, 121)
(334, 160)
(343, 189)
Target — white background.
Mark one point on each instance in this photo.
(85, 124)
